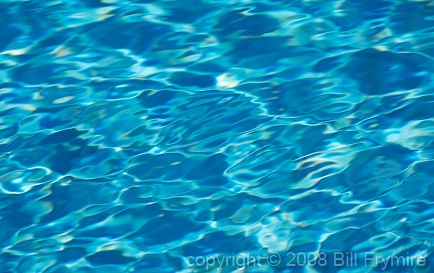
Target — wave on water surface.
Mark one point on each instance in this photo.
(186, 136)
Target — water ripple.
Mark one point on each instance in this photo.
(136, 134)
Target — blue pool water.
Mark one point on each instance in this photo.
(216, 136)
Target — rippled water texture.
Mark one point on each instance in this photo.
(136, 134)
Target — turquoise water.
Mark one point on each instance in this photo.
(216, 136)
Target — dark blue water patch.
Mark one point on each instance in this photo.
(421, 110)
(52, 121)
(381, 72)
(138, 37)
(61, 136)
(345, 239)
(151, 99)
(55, 39)
(425, 167)
(34, 17)
(109, 257)
(392, 100)
(9, 261)
(319, 203)
(72, 197)
(259, 8)
(385, 161)
(177, 167)
(188, 11)
(25, 245)
(287, 98)
(415, 186)
(213, 164)
(15, 218)
(207, 67)
(8, 35)
(94, 4)
(327, 64)
(121, 230)
(217, 242)
(185, 79)
(230, 204)
(178, 40)
(138, 194)
(427, 49)
(118, 89)
(236, 23)
(141, 130)
(101, 213)
(146, 166)
(62, 160)
(9, 97)
(64, 150)
(162, 262)
(71, 254)
(28, 157)
(57, 268)
(239, 117)
(169, 228)
(9, 131)
(411, 17)
(344, 23)
(363, 11)
(252, 47)
(39, 74)
(202, 216)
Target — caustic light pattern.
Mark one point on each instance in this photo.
(136, 134)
